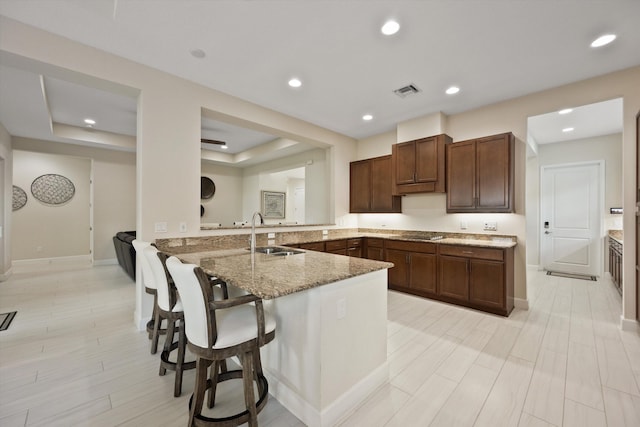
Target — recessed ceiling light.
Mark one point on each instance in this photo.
(565, 111)
(452, 90)
(567, 130)
(390, 27)
(295, 82)
(90, 122)
(367, 117)
(603, 40)
(224, 147)
(198, 53)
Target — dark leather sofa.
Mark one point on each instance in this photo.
(125, 251)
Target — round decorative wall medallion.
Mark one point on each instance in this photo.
(19, 198)
(53, 189)
(207, 187)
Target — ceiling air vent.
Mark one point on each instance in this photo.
(407, 90)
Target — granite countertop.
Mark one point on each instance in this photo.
(496, 242)
(616, 235)
(270, 276)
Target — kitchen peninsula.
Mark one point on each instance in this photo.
(330, 349)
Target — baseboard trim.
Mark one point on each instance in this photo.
(520, 303)
(630, 325)
(110, 261)
(6, 275)
(339, 410)
(40, 264)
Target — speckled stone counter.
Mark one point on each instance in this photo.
(616, 235)
(269, 276)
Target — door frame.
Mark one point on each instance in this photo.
(601, 190)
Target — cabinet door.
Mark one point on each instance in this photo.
(426, 160)
(399, 274)
(376, 254)
(454, 277)
(422, 273)
(461, 172)
(493, 173)
(382, 199)
(355, 251)
(406, 163)
(486, 283)
(360, 187)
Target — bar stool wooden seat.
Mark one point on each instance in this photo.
(217, 330)
(169, 308)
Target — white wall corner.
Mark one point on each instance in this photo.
(6, 275)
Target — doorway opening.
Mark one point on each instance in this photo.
(578, 135)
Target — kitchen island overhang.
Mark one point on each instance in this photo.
(330, 350)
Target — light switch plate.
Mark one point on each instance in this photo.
(183, 227)
(160, 227)
(463, 225)
(271, 235)
(325, 232)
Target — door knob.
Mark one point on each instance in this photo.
(547, 232)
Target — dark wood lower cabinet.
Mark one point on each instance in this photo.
(415, 267)
(454, 277)
(475, 277)
(374, 249)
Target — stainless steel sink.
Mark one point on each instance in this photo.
(276, 250)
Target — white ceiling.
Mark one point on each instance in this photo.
(492, 49)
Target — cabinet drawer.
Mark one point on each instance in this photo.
(472, 252)
(354, 243)
(374, 242)
(313, 246)
(335, 245)
(426, 247)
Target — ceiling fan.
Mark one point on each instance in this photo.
(222, 144)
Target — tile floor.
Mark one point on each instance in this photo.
(72, 357)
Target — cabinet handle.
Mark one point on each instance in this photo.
(468, 252)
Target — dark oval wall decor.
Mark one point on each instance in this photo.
(207, 188)
(19, 198)
(53, 189)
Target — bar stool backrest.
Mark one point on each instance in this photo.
(147, 274)
(166, 298)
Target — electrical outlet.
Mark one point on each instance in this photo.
(490, 226)
(160, 227)
(463, 225)
(183, 227)
(271, 235)
(325, 232)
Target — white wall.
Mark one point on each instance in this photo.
(43, 231)
(114, 189)
(225, 206)
(607, 148)
(6, 158)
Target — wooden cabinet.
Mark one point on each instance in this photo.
(480, 174)
(370, 187)
(414, 266)
(374, 248)
(477, 277)
(313, 246)
(354, 248)
(615, 263)
(419, 165)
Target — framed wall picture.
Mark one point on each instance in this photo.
(273, 204)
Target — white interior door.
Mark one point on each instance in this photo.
(570, 211)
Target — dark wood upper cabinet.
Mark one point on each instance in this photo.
(480, 174)
(419, 165)
(371, 187)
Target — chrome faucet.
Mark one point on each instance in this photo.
(253, 230)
